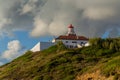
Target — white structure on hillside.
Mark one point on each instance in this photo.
(41, 46)
(71, 40)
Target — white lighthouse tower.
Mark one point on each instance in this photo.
(71, 30)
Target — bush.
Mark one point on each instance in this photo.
(51, 49)
(109, 43)
(117, 77)
(50, 65)
(90, 51)
(47, 77)
(70, 54)
(61, 46)
(103, 52)
(111, 66)
(38, 78)
(91, 59)
(77, 58)
(26, 57)
(62, 60)
(69, 77)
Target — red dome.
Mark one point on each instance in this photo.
(71, 26)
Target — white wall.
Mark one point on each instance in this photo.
(36, 47)
(45, 45)
(41, 46)
(74, 43)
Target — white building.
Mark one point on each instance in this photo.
(41, 46)
(71, 40)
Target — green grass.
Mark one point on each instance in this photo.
(112, 66)
(60, 63)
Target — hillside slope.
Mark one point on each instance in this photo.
(59, 63)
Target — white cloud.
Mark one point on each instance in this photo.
(86, 15)
(40, 28)
(13, 51)
(4, 22)
(60, 29)
(30, 6)
(1, 63)
(99, 13)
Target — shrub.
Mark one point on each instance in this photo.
(51, 49)
(69, 77)
(70, 54)
(103, 52)
(62, 60)
(109, 43)
(26, 57)
(61, 46)
(111, 66)
(91, 59)
(89, 51)
(47, 77)
(50, 65)
(117, 77)
(38, 78)
(77, 58)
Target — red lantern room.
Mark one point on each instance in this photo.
(71, 30)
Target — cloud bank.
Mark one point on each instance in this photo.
(91, 18)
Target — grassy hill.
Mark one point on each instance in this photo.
(101, 61)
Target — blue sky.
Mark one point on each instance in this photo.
(26, 41)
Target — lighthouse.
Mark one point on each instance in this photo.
(71, 40)
(71, 30)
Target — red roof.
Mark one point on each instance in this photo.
(71, 26)
(72, 37)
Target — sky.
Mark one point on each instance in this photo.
(23, 23)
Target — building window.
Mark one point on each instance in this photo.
(75, 46)
(66, 41)
(71, 46)
(82, 43)
(74, 42)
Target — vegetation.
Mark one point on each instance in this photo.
(109, 43)
(60, 63)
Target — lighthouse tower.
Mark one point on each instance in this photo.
(71, 30)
